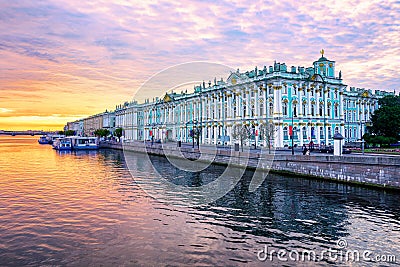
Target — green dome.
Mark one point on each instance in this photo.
(323, 59)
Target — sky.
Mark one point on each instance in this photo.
(65, 60)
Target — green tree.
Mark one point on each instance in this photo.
(118, 132)
(102, 132)
(390, 101)
(97, 132)
(69, 132)
(378, 140)
(386, 119)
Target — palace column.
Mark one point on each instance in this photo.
(278, 114)
(257, 103)
(265, 110)
(341, 110)
(326, 95)
(238, 100)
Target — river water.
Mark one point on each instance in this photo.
(86, 209)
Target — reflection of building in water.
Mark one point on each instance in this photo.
(274, 103)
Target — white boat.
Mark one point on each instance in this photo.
(54, 137)
(63, 143)
(44, 140)
(83, 143)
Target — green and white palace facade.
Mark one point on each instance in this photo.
(273, 104)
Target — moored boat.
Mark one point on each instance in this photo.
(84, 143)
(54, 137)
(64, 143)
(43, 140)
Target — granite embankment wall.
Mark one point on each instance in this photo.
(367, 170)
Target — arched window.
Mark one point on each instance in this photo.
(321, 110)
(304, 133)
(312, 132)
(329, 132)
(261, 109)
(312, 110)
(294, 110)
(337, 111)
(345, 133)
(294, 133)
(304, 109)
(321, 132)
(329, 111)
(285, 133)
(284, 109)
(271, 108)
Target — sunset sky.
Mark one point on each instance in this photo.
(64, 60)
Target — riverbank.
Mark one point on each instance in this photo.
(383, 172)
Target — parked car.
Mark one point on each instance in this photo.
(346, 150)
(326, 149)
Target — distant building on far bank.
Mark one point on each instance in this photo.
(87, 126)
(273, 105)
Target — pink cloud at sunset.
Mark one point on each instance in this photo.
(63, 60)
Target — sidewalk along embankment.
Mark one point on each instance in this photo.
(377, 171)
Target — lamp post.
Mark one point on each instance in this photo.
(194, 132)
(292, 131)
(347, 120)
(192, 135)
(186, 132)
(325, 107)
(361, 137)
(266, 118)
(291, 134)
(152, 132)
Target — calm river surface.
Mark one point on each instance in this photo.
(85, 209)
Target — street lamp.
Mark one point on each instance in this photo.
(361, 137)
(192, 134)
(152, 132)
(291, 136)
(292, 131)
(186, 132)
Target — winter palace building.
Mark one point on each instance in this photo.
(269, 105)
